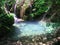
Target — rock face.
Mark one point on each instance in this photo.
(21, 6)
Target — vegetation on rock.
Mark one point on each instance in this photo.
(6, 20)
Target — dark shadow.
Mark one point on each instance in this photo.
(11, 35)
(14, 33)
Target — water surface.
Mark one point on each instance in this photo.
(28, 28)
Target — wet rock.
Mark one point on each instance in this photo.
(19, 43)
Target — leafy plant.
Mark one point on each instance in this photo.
(6, 20)
(40, 7)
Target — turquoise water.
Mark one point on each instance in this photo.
(31, 28)
(28, 28)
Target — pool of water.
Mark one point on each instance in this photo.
(29, 28)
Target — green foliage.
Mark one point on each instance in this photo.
(58, 2)
(40, 6)
(1, 6)
(2, 2)
(6, 20)
(10, 2)
(10, 5)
